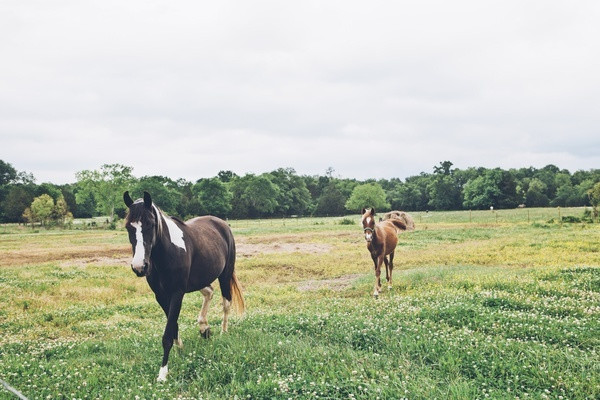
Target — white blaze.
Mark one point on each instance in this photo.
(138, 252)
(175, 233)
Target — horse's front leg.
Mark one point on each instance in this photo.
(170, 333)
(378, 261)
(164, 300)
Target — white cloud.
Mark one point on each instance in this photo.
(187, 89)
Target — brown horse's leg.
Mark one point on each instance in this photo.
(377, 289)
(207, 292)
(391, 269)
(387, 269)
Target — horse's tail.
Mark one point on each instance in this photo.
(235, 289)
(399, 224)
(236, 294)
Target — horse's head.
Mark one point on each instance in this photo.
(368, 223)
(142, 225)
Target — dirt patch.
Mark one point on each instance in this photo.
(75, 255)
(80, 262)
(254, 249)
(335, 284)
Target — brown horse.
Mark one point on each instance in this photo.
(381, 242)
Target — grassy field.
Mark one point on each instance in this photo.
(485, 304)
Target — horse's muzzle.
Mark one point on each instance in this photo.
(141, 272)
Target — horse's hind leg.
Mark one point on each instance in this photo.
(225, 285)
(207, 292)
(387, 269)
(391, 269)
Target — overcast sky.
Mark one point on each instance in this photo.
(374, 89)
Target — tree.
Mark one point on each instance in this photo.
(7, 173)
(15, 202)
(331, 201)
(41, 209)
(483, 191)
(106, 185)
(162, 190)
(370, 195)
(226, 176)
(253, 196)
(594, 196)
(535, 196)
(294, 197)
(213, 197)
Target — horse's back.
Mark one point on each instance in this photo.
(390, 236)
(213, 250)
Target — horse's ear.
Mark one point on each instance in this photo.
(364, 210)
(373, 211)
(147, 200)
(127, 199)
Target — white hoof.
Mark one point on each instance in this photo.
(162, 374)
(389, 287)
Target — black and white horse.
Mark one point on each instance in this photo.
(179, 257)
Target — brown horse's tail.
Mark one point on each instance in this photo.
(236, 295)
(400, 225)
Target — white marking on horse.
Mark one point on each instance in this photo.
(368, 220)
(162, 374)
(175, 233)
(139, 252)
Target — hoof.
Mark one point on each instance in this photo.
(178, 343)
(389, 287)
(206, 334)
(375, 296)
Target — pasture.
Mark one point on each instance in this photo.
(485, 304)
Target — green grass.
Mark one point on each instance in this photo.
(478, 310)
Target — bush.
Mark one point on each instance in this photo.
(346, 221)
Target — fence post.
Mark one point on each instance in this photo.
(470, 219)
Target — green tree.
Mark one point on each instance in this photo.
(60, 211)
(41, 209)
(294, 197)
(8, 174)
(369, 195)
(444, 193)
(594, 196)
(163, 191)
(536, 194)
(17, 199)
(106, 185)
(483, 191)
(253, 196)
(331, 202)
(213, 197)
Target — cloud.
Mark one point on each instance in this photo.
(190, 88)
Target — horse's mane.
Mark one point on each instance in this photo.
(136, 213)
(177, 219)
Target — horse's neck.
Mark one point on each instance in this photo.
(375, 237)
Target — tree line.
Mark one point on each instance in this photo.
(283, 192)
